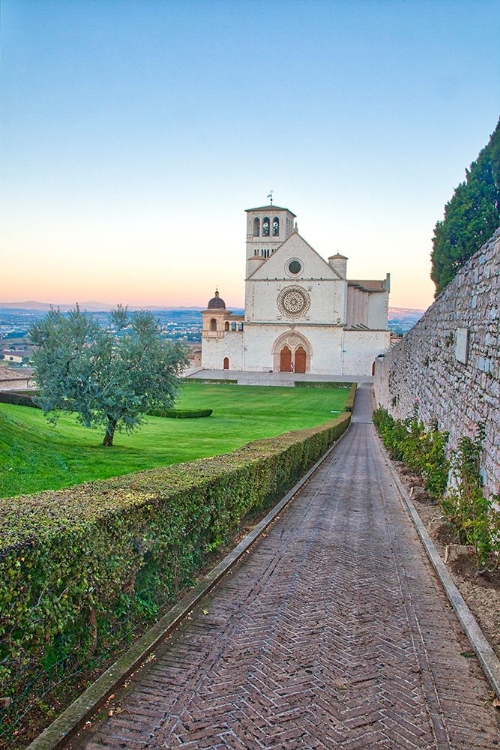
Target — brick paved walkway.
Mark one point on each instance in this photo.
(333, 633)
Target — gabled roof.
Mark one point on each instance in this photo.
(270, 209)
(279, 251)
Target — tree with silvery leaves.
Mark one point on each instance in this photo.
(107, 377)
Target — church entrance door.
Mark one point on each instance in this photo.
(226, 363)
(285, 359)
(300, 359)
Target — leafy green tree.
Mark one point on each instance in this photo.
(108, 377)
(470, 217)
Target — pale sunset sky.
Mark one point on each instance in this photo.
(133, 135)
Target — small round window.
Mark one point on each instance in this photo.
(294, 267)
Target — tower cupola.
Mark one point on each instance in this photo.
(216, 303)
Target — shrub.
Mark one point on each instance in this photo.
(349, 404)
(472, 515)
(321, 384)
(211, 381)
(420, 449)
(181, 413)
(19, 398)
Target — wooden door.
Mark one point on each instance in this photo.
(285, 359)
(300, 359)
(226, 363)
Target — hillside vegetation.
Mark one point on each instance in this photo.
(35, 456)
(470, 217)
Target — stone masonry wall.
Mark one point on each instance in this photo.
(450, 361)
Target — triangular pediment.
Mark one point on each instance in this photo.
(294, 248)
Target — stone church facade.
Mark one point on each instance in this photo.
(302, 314)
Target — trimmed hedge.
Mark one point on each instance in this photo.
(81, 568)
(181, 413)
(211, 381)
(349, 404)
(18, 398)
(321, 384)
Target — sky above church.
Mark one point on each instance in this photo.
(133, 135)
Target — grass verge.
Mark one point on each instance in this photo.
(35, 456)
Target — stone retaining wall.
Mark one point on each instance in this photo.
(450, 361)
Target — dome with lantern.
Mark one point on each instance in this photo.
(216, 303)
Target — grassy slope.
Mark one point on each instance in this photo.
(35, 456)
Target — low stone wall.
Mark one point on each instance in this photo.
(450, 361)
(12, 380)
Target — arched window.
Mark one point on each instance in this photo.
(240, 326)
(226, 325)
(233, 326)
(266, 227)
(256, 227)
(213, 324)
(276, 226)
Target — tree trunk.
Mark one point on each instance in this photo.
(110, 432)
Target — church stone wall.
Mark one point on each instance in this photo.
(326, 301)
(323, 346)
(450, 361)
(360, 350)
(377, 311)
(215, 349)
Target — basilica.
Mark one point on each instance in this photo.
(302, 313)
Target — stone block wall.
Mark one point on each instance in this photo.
(450, 361)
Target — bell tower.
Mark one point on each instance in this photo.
(267, 228)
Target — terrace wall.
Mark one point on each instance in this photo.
(450, 361)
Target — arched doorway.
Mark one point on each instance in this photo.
(292, 352)
(226, 363)
(300, 359)
(285, 359)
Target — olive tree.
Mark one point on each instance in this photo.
(109, 376)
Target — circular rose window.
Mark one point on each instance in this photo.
(293, 301)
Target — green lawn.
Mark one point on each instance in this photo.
(35, 456)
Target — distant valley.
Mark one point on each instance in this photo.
(181, 323)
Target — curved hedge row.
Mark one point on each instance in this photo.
(80, 568)
(181, 413)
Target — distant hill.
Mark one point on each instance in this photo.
(90, 306)
(401, 319)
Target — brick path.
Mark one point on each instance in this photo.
(333, 633)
